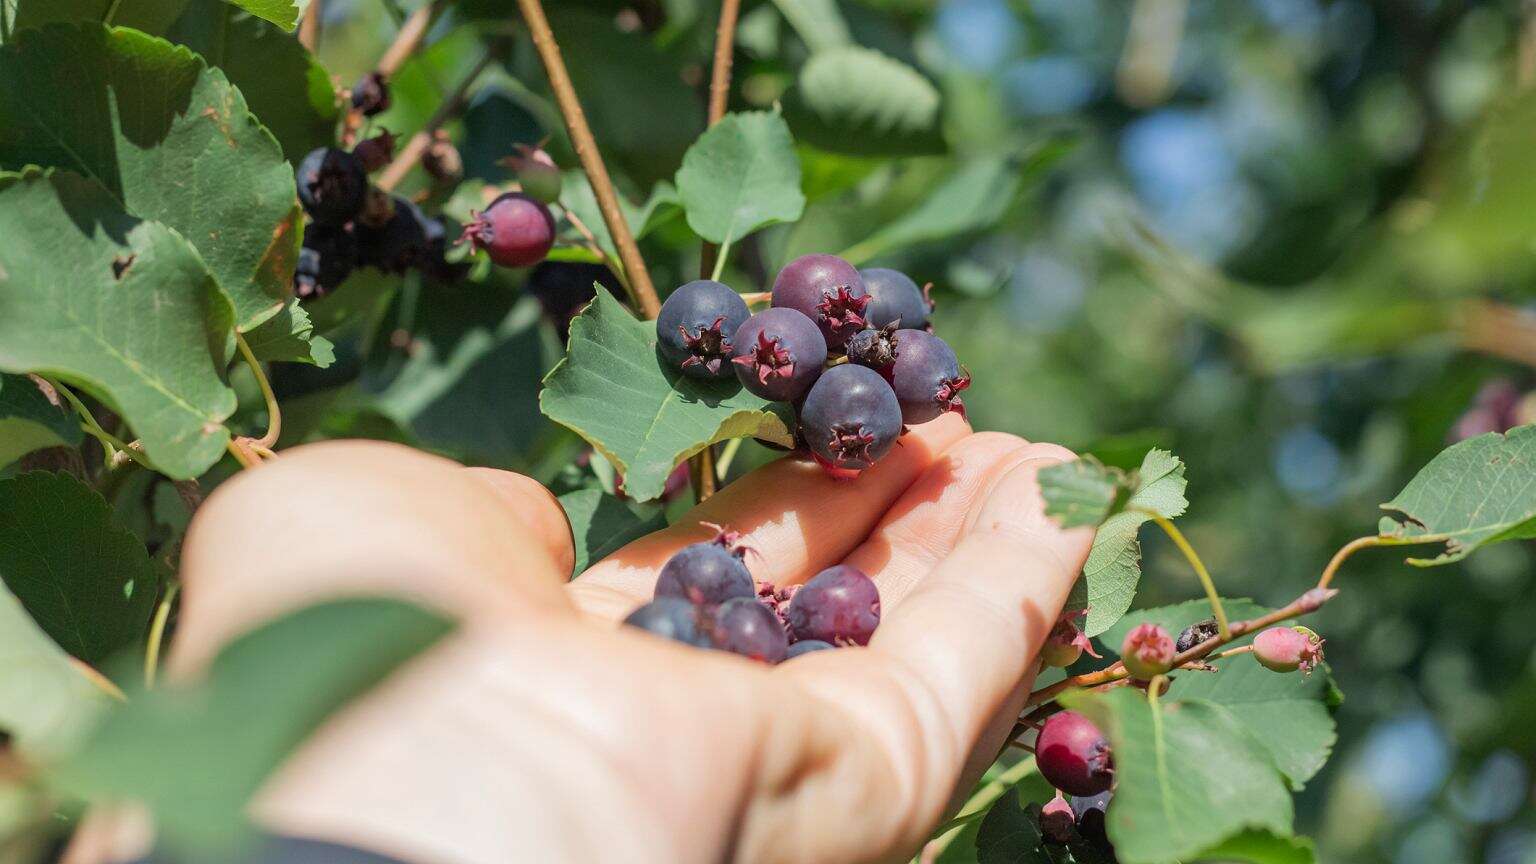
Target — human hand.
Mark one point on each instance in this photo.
(542, 731)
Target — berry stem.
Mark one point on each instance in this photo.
(1367, 542)
(309, 27)
(641, 291)
(595, 247)
(274, 413)
(407, 40)
(727, 456)
(157, 635)
(106, 19)
(409, 156)
(112, 443)
(244, 457)
(1193, 558)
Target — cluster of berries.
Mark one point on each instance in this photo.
(706, 597)
(1148, 650)
(850, 349)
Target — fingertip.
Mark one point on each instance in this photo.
(530, 503)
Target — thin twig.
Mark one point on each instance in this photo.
(237, 450)
(407, 41)
(1193, 558)
(157, 635)
(596, 248)
(719, 95)
(410, 154)
(112, 443)
(642, 292)
(1499, 330)
(274, 413)
(309, 28)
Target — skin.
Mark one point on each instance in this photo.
(541, 731)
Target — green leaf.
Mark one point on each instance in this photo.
(576, 196)
(1260, 847)
(165, 136)
(283, 13)
(290, 335)
(28, 421)
(1010, 834)
(1474, 493)
(46, 704)
(972, 199)
(85, 579)
(740, 175)
(263, 695)
(1289, 714)
(151, 342)
(601, 523)
(150, 16)
(1113, 568)
(1187, 776)
(1080, 492)
(285, 87)
(856, 100)
(818, 22)
(643, 416)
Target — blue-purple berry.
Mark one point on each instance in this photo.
(806, 646)
(850, 418)
(840, 605)
(829, 291)
(671, 618)
(746, 626)
(697, 324)
(332, 185)
(896, 299)
(926, 376)
(399, 244)
(706, 574)
(778, 354)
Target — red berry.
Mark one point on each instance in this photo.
(1147, 651)
(1073, 755)
(839, 605)
(516, 230)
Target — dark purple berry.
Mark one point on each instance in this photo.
(332, 185)
(670, 618)
(839, 605)
(850, 418)
(826, 289)
(779, 354)
(697, 324)
(707, 573)
(806, 646)
(1073, 755)
(516, 230)
(306, 274)
(1091, 827)
(1194, 634)
(873, 348)
(376, 152)
(744, 626)
(1058, 824)
(896, 299)
(926, 376)
(326, 260)
(563, 289)
(399, 244)
(370, 95)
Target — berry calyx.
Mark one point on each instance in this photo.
(370, 95)
(670, 618)
(895, 299)
(516, 230)
(376, 152)
(1073, 755)
(332, 185)
(1147, 651)
(1287, 649)
(729, 539)
(537, 173)
(696, 325)
(839, 605)
(779, 354)
(744, 626)
(850, 418)
(826, 289)
(1066, 643)
(926, 376)
(1196, 633)
(1058, 824)
(843, 310)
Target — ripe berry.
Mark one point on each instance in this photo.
(839, 605)
(826, 289)
(1073, 755)
(874, 348)
(926, 376)
(696, 326)
(1147, 651)
(707, 573)
(1286, 649)
(806, 646)
(537, 173)
(897, 299)
(516, 230)
(306, 274)
(744, 626)
(370, 95)
(332, 185)
(1090, 812)
(1058, 824)
(326, 260)
(1066, 643)
(850, 418)
(778, 354)
(670, 618)
(376, 152)
(399, 244)
(1194, 634)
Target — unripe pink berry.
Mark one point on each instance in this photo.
(1073, 755)
(1057, 821)
(515, 230)
(1147, 651)
(1066, 643)
(1286, 649)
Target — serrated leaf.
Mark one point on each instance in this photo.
(28, 421)
(1474, 493)
(1260, 847)
(1010, 834)
(150, 16)
(818, 22)
(1113, 568)
(576, 196)
(284, 85)
(740, 175)
(283, 13)
(168, 138)
(613, 390)
(1187, 776)
(290, 335)
(263, 695)
(85, 579)
(46, 704)
(601, 523)
(1080, 492)
(849, 99)
(120, 307)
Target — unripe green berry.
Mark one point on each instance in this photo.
(537, 173)
(1147, 651)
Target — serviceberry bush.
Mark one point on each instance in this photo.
(211, 250)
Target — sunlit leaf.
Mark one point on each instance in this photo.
(739, 176)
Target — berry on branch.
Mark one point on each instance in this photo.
(826, 289)
(1286, 649)
(332, 185)
(1058, 824)
(779, 354)
(896, 299)
(696, 326)
(1147, 651)
(926, 376)
(1073, 755)
(850, 418)
(516, 230)
(1066, 643)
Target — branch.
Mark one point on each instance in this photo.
(642, 292)
(407, 40)
(719, 92)
(309, 27)
(410, 154)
